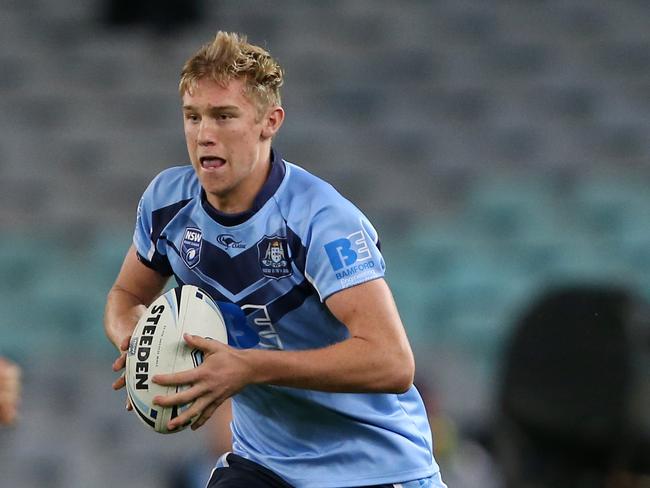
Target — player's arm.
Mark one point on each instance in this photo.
(375, 358)
(134, 289)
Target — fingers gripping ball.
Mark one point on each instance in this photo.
(157, 347)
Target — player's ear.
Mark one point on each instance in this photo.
(272, 121)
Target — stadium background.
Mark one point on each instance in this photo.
(499, 147)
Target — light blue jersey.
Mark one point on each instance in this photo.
(300, 243)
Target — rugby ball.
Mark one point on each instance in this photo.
(157, 347)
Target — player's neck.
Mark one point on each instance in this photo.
(241, 198)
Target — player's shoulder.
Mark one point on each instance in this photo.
(308, 203)
(309, 193)
(172, 185)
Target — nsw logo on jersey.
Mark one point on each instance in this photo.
(274, 257)
(191, 247)
(351, 259)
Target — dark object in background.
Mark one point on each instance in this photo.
(574, 403)
(164, 16)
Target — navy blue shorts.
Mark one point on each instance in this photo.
(234, 471)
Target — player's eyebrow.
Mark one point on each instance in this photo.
(217, 108)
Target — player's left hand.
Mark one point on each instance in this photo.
(118, 365)
(222, 374)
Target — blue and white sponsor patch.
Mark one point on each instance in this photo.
(191, 246)
(351, 259)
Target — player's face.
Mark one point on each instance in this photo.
(229, 143)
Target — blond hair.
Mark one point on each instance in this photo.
(230, 56)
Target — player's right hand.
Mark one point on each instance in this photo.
(118, 365)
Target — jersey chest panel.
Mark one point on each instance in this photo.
(251, 265)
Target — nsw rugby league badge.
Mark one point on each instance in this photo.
(191, 246)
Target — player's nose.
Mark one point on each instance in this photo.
(207, 134)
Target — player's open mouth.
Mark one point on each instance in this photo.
(211, 162)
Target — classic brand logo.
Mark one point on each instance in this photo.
(274, 257)
(191, 247)
(228, 240)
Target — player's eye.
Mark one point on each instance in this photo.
(192, 117)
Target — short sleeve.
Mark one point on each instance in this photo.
(343, 250)
(145, 238)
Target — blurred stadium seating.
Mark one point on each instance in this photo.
(498, 146)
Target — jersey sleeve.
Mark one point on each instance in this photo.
(145, 236)
(343, 250)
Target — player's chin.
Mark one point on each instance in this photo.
(216, 187)
(215, 180)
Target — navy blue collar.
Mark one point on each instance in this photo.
(276, 175)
